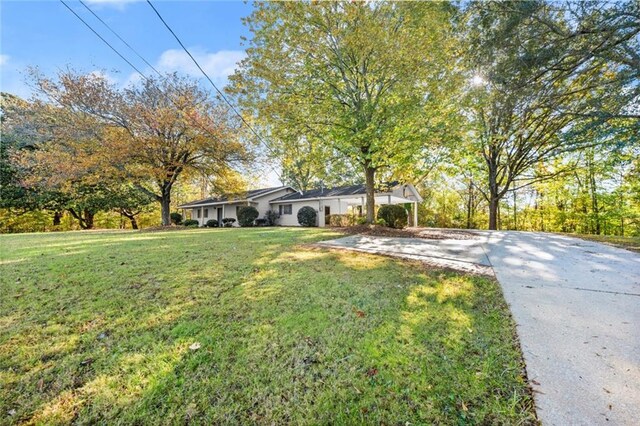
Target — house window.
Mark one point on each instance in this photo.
(285, 209)
(198, 213)
(206, 213)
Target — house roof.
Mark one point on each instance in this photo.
(249, 195)
(333, 192)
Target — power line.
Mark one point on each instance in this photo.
(146, 62)
(120, 38)
(211, 81)
(105, 41)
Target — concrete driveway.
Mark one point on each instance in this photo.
(577, 309)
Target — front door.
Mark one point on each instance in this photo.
(219, 216)
(327, 213)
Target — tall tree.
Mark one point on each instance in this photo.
(360, 78)
(164, 128)
(527, 105)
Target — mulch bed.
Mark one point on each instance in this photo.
(426, 233)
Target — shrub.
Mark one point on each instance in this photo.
(307, 216)
(191, 223)
(228, 222)
(176, 218)
(246, 215)
(394, 215)
(361, 220)
(212, 223)
(381, 222)
(271, 216)
(261, 222)
(342, 219)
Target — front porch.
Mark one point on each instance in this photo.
(349, 205)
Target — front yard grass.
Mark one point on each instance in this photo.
(629, 243)
(246, 326)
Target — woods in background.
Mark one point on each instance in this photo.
(506, 115)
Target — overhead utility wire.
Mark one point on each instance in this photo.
(102, 38)
(146, 62)
(120, 38)
(211, 81)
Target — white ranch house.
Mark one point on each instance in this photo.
(287, 201)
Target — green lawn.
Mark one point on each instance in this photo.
(629, 243)
(96, 327)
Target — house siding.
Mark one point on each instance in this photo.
(292, 219)
(263, 202)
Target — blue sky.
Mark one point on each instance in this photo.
(47, 35)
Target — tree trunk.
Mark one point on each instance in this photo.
(131, 215)
(88, 219)
(165, 204)
(57, 218)
(134, 222)
(85, 218)
(493, 212)
(515, 212)
(370, 190)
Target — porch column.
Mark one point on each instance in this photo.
(389, 199)
(415, 214)
(321, 221)
(201, 216)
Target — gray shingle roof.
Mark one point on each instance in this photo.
(333, 192)
(247, 195)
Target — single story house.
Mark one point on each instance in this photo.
(287, 201)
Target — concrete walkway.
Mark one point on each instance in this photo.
(577, 309)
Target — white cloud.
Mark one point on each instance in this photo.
(4, 59)
(218, 65)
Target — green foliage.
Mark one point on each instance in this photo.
(352, 88)
(191, 223)
(176, 218)
(543, 82)
(271, 217)
(344, 220)
(394, 215)
(212, 223)
(246, 215)
(228, 222)
(307, 216)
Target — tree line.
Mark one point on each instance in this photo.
(521, 115)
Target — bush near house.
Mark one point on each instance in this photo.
(191, 223)
(307, 216)
(271, 216)
(394, 215)
(261, 222)
(228, 222)
(343, 220)
(176, 218)
(212, 223)
(246, 215)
